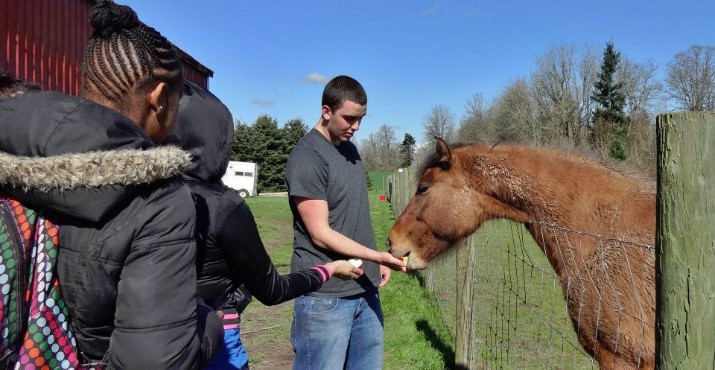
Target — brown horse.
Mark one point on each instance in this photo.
(595, 225)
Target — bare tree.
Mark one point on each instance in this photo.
(368, 152)
(474, 125)
(641, 86)
(388, 148)
(554, 84)
(380, 150)
(513, 116)
(439, 122)
(588, 69)
(691, 78)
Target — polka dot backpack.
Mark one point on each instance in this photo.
(35, 331)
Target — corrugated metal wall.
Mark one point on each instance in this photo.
(43, 41)
(191, 74)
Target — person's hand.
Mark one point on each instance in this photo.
(384, 275)
(392, 262)
(344, 270)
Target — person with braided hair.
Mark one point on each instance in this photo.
(92, 165)
(130, 67)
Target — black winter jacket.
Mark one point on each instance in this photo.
(230, 248)
(126, 263)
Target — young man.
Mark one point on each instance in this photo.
(340, 325)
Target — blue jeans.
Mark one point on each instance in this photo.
(232, 354)
(338, 333)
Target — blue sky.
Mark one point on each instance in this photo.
(272, 57)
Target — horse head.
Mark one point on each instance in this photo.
(452, 200)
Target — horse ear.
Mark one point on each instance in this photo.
(445, 154)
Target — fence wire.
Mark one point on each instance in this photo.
(520, 311)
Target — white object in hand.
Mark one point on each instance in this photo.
(355, 262)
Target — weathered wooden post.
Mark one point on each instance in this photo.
(685, 242)
(464, 326)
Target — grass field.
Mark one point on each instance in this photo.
(416, 337)
(521, 322)
(520, 313)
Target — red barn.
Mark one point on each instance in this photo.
(43, 41)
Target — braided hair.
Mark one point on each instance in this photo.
(124, 55)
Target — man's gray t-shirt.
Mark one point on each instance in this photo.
(317, 169)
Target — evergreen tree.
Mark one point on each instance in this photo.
(292, 132)
(408, 150)
(610, 123)
(269, 154)
(268, 146)
(244, 143)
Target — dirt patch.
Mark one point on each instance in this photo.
(281, 237)
(265, 332)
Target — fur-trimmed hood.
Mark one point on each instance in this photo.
(72, 156)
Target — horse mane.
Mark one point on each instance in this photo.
(432, 160)
(562, 153)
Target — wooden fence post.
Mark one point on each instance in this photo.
(685, 242)
(464, 326)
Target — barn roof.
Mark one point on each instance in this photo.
(189, 60)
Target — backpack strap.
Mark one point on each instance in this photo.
(44, 326)
(13, 260)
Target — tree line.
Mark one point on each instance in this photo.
(577, 98)
(597, 101)
(266, 144)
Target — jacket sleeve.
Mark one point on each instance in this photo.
(249, 262)
(158, 321)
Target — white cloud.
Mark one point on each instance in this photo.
(316, 78)
(262, 102)
(472, 11)
(431, 10)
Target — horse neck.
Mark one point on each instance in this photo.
(567, 198)
(515, 177)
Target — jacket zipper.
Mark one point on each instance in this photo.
(11, 228)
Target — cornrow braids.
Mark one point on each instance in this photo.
(123, 54)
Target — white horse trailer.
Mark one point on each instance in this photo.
(242, 176)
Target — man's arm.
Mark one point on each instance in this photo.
(314, 213)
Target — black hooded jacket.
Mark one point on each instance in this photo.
(126, 263)
(230, 248)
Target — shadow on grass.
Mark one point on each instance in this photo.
(446, 351)
(420, 278)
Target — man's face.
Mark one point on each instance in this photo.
(344, 121)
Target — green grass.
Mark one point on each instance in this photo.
(266, 328)
(519, 309)
(416, 337)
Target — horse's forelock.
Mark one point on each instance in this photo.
(433, 160)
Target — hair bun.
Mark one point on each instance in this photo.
(107, 18)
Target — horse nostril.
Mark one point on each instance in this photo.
(388, 243)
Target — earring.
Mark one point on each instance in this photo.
(161, 108)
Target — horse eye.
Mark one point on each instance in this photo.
(422, 188)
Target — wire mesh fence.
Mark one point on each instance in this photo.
(525, 315)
